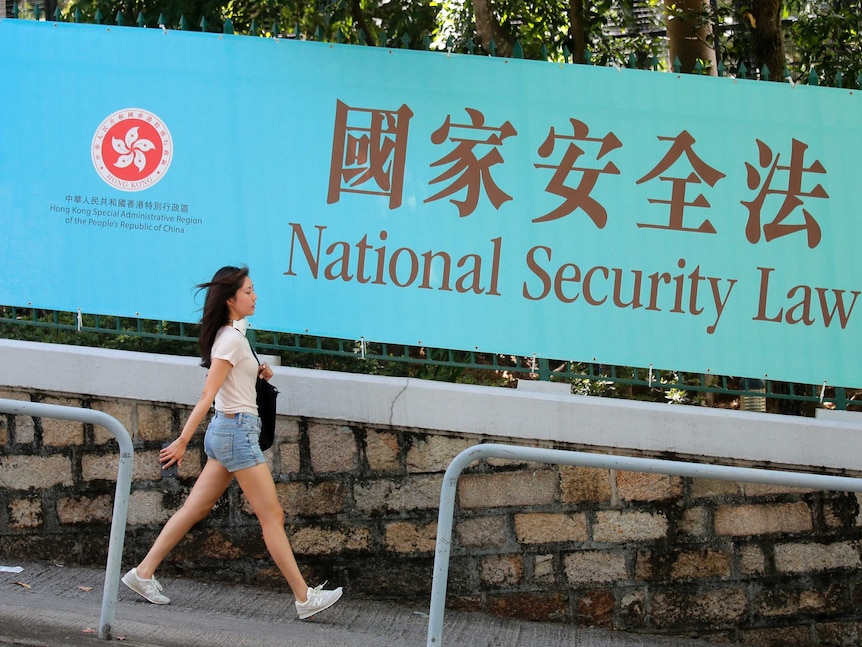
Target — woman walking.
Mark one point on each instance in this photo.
(230, 443)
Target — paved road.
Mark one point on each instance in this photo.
(62, 607)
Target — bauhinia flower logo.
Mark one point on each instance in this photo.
(132, 149)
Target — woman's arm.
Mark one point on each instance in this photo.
(216, 376)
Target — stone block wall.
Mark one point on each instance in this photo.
(731, 562)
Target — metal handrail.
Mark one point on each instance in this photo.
(121, 497)
(601, 461)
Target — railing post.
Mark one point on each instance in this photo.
(444, 540)
(121, 496)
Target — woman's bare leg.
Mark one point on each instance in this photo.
(207, 490)
(257, 485)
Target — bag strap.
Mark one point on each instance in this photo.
(249, 346)
(255, 354)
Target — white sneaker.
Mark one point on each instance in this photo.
(318, 600)
(150, 589)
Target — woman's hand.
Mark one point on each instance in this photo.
(264, 371)
(173, 453)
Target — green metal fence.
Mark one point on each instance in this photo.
(470, 367)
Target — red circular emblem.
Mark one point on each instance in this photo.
(132, 149)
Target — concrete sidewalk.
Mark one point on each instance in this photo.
(47, 605)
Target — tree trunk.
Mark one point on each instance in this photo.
(489, 29)
(768, 40)
(359, 19)
(688, 35)
(577, 31)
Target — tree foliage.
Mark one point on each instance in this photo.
(611, 29)
(369, 21)
(784, 36)
(827, 38)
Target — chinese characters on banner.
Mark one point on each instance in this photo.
(369, 153)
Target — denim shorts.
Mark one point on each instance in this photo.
(234, 442)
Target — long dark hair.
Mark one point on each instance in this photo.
(224, 285)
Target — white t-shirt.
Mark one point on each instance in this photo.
(238, 393)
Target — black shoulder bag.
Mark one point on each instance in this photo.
(266, 395)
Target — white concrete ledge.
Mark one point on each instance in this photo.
(537, 413)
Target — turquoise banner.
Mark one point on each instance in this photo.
(517, 207)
